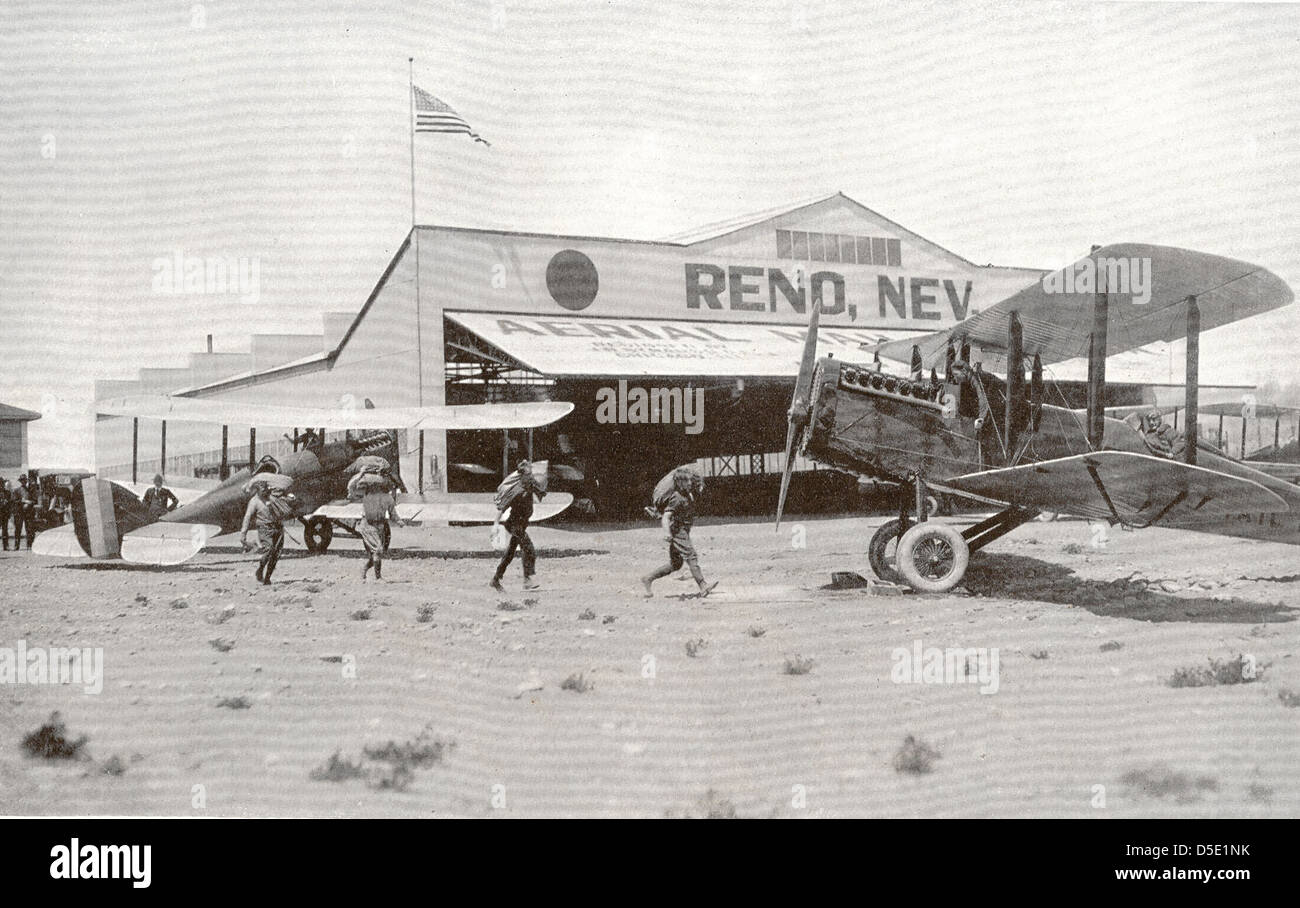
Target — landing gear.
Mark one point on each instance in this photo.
(915, 498)
(882, 548)
(317, 533)
(932, 557)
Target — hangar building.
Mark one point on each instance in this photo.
(714, 316)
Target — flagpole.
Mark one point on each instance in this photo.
(410, 97)
(419, 342)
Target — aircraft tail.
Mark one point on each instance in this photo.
(102, 513)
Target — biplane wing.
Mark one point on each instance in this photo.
(465, 507)
(229, 412)
(1057, 324)
(1134, 489)
(1287, 472)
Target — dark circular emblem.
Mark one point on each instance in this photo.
(571, 278)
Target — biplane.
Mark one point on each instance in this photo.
(997, 438)
(108, 519)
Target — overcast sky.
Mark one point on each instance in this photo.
(1018, 134)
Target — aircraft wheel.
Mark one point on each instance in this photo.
(932, 557)
(317, 534)
(881, 552)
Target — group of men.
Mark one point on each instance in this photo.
(272, 505)
(675, 508)
(27, 508)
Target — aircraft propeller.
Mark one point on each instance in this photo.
(800, 403)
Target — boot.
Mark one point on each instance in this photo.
(530, 583)
(378, 570)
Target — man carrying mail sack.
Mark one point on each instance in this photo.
(374, 487)
(271, 505)
(515, 494)
(675, 498)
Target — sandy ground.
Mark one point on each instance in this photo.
(689, 709)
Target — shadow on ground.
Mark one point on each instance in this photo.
(132, 566)
(408, 554)
(1018, 577)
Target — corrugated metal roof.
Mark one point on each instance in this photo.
(731, 225)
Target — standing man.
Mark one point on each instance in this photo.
(378, 504)
(267, 512)
(679, 515)
(4, 512)
(158, 500)
(516, 496)
(20, 504)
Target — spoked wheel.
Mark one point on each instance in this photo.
(883, 548)
(932, 557)
(317, 534)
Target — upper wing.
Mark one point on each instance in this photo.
(465, 507)
(1133, 488)
(229, 412)
(1057, 324)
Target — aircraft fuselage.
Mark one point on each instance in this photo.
(317, 474)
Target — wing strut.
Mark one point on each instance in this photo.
(1097, 363)
(1192, 379)
(1015, 383)
(1101, 487)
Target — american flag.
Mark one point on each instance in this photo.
(432, 115)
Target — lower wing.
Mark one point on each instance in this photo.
(1134, 489)
(468, 507)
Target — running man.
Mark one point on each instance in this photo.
(517, 498)
(267, 512)
(378, 505)
(679, 515)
